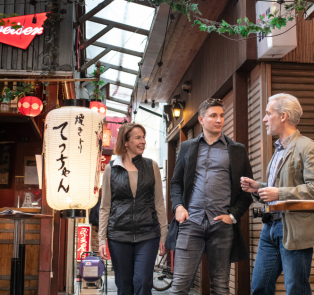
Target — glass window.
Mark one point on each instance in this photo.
(92, 51)
(124, 12)
(119, 76)
(120, 92)
(120, 59)
(93, 28)
(110, 113)
(125, 39)
(116, 105)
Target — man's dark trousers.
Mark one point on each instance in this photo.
(216, 239)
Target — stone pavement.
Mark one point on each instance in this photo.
(112, 290)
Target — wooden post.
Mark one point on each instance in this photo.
(240, 90)
(70, 271)
(56, 254)
(170, 169)
(45, 247)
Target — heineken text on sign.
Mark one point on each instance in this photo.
(23, 36)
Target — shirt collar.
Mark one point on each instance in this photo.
(284, 143)
(118, 162)
(221, 138)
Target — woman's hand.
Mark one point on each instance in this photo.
(103, 252)
(162, 248)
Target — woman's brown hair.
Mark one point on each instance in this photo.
(124, 136)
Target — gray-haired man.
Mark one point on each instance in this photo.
(286, 240)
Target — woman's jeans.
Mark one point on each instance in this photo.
(133, 265)
(273, 258)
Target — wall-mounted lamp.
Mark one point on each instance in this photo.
(187, 86)
(177, 106)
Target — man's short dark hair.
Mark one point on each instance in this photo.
(210, 102)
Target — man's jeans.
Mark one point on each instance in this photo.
(273, 258)
(192, 239)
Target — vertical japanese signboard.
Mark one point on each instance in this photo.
(83, 240)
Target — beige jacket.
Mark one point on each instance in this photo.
(295, 180)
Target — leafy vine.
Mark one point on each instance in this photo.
(243, 28)
(97, 94)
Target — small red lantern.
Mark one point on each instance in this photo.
(99, 108)
(30, 106)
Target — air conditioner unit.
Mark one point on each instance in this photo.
(272, 46)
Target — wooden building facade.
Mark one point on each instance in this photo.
(47, 241)
(230, 70)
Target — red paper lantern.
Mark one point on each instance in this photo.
(30, 106)
(99, 108)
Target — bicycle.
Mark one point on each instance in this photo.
(163, 271)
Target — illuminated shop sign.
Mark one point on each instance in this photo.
(23, 36)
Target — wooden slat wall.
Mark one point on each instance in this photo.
(32, 236)
(229, 131)
(255, 109)
(190, 134)
(304, 52)
(297, 80)
(197, 130)
(31, 59)
(178, 146)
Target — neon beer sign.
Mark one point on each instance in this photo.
(23, 36)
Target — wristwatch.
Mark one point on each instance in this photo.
(234, 221)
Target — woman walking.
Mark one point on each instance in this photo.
(132, 213)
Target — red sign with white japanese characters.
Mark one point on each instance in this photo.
(104, 161)
(23, 36)
(83, 240)
(106, 137)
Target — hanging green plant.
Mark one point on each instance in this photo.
(243, 27)
(10, 95)
(97, 94)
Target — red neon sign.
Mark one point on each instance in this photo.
(23, 36)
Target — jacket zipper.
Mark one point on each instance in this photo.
(133, 220)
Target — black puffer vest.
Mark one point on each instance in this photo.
(133, 220)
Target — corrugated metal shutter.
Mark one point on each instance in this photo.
(178, 146)
(297, 80)
(197, 129)
(228, 127)
(190, 133)
(255, 150)
(229, 131)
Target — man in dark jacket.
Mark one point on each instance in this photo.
(208, 202)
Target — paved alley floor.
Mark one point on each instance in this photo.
(112, 290)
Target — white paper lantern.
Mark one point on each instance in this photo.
(72, 147)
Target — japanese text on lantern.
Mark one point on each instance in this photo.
(83, 240)
(79, 120)
(64, 170)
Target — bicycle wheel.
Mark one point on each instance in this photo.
(162, 277)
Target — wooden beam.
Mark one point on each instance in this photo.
(118, 68)
(120, 26)
(108, 48)
(240, 117)
(96, 37)
(120, 49)
(92, 12)
(93, 60)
